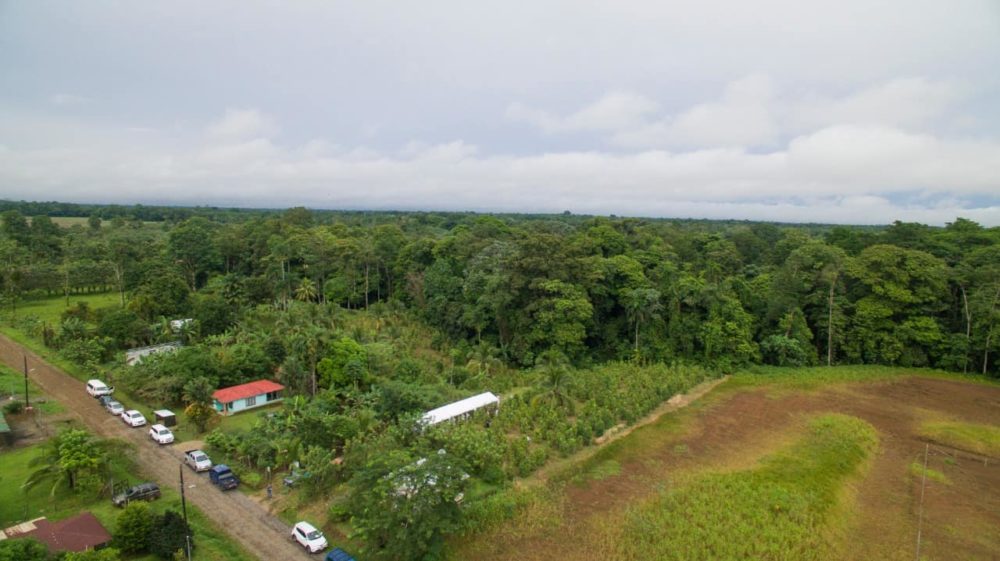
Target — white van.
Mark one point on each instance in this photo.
(97, 388)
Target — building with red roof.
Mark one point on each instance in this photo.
(247, 396)
(80, 533)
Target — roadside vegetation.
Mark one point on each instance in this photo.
(582, 325)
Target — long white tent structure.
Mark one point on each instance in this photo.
(459, 408)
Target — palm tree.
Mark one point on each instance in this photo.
(306, 292)
(641, 304)
(483, 360)
(555, 367)
(63, 458)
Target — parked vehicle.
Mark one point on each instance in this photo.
(223, 477)
(197, 460)
(309, 537)
(161, 434)
(140, 492)
(97, 388)
(114, 407)
(133, 418)
(337, 554)
(293, 478)
(104, 399)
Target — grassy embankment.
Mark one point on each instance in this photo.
(16, 505)
(980, 439)
(783, 509)
(781, 379)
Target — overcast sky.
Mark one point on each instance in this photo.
(853, 111)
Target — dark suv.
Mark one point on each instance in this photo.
(140, 492)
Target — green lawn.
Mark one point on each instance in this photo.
(12, 383)
(50, 309)
(17, 506)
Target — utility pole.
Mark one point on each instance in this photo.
(27, 405)
(187, 527)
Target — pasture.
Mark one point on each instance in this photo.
(780, 465)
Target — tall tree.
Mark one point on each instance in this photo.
(64, 459)
(641, 304)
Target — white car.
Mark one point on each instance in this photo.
(114, 407)
(161, 434)
(133, 418)
(309, 537)
(97, 388)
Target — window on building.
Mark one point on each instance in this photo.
(251, 401)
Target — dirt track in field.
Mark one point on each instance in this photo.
(734, 429)
(242, 518)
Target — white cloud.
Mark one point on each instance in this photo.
(906, 102)
(752, 112)
(613, 112)
(743, 117)
(241, 123)
(65, 99)
(847, 173)
(632, 107)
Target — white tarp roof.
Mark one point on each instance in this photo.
(458, 408)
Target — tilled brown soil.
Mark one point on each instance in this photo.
(260, 533)
(736, 428)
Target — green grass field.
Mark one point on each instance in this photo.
(981, 439)
(12, 384)
(69, 221)
(17, 506)
(785, 379)
(779, 510)
(50, 309)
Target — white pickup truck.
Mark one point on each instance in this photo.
(197, 460)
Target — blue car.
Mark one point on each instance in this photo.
(338, 555)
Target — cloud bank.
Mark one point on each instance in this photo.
(878, 113)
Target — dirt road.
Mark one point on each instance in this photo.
(260, 533)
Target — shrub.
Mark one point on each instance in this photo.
(13, 408)
(133, 529)
(252, 479)
(169, 535)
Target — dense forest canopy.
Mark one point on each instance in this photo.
(593, 289)
(582, 324)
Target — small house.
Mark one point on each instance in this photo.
(462, 408)
(246, 396)
(80, 533)
(135, 356)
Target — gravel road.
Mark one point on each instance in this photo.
(247, 522)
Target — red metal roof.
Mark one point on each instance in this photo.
(250, 389)
(79, 533)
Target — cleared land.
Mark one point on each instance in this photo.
(754, 456)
